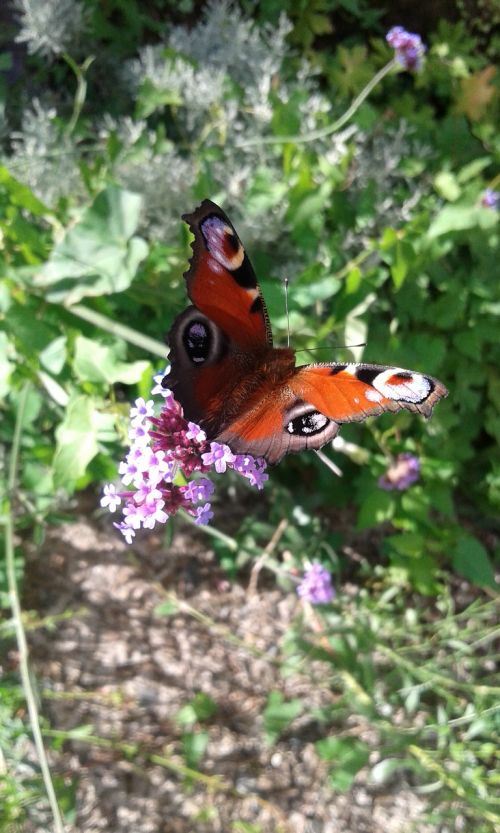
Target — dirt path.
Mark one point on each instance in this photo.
(129, 671)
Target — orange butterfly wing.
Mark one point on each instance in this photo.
(221, 281)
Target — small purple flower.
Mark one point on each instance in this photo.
(490, 198)
(132, 515)
(158, 389)
(141, 411)
(126, 530)
(204, 515)
(147, 493)
(252, 468)
(129, 468)
(194, 432)
(316, 585)
(163, 446)
(199, 490)
(139, 434)
(153, 513)
(111, 498)
(402, 473)
(408, 46)
(219, 456)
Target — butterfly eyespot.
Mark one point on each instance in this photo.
(223, 244)
(197, 341)
(308, 424)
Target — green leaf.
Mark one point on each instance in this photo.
(168, 608)
(447, 186)
(54, 355)
(399, 266)
(376, 508)
(471, 560)
(194, 745)
(460, 218)
(353, 280)
(21, 195)
(31, 333)
(473, 169)
(96, 362)
(201, 708)
(349, 754)
(76, 441)
(99, 255)
(278, 714)
(152, 98)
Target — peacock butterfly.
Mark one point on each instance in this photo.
(240, 389)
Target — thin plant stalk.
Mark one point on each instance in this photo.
(22, 645)
(324, 132)
(151, 345)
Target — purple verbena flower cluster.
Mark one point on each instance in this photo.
(490, 198)
(402, 473)
(316, 585)
(409, 47)
(162, 448)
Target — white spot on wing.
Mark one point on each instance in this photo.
(373, 395)
(415, 388)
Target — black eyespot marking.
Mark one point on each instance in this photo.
(257, 305)
(197, 341)
(307, 425)
(367, 374)
(337, 369)
(403, 374)
(244, 275)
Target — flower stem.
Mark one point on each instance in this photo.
(324, 132)
(151, 345)
(22, 645)
(81, 88)
(211, 531)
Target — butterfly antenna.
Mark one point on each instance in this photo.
(287, 314)
(330, 347)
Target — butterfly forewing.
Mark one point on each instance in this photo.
(221, 281)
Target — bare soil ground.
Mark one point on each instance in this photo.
(125, 671)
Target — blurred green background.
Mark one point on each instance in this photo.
(116, 118)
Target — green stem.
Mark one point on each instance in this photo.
(22, 645)
(81, 88)
(324, 132)
(150, 345)
(212, 531)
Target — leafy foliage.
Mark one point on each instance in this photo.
(109, 133)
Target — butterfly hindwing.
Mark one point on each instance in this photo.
(278, 425)
(221, 281)
(200, 358)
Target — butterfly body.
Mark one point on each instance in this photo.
(240, 389)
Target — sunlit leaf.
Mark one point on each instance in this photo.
(95, 362)
(100, 254)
